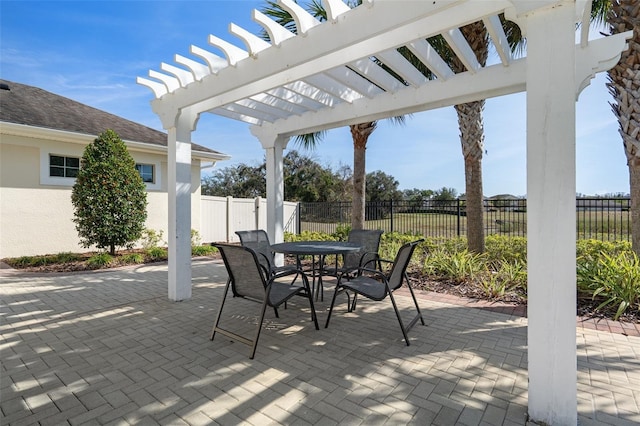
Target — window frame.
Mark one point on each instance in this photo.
(153, 172)
(46, 179)
(45, 167)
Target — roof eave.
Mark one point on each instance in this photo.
(16, 129)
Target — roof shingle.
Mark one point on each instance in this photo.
(32, 106)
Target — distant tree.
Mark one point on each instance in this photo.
(344, 191)
(417, 195)
(109, 196)
(445, 194)
(241, 181)
(307, 181)
(304, 180)
(382, 187)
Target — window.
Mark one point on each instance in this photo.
(60, 166)
(146, 172)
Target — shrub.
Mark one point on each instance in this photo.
(203, 250)
(195, 238)
(503, 248)
(310, 236)
(593, 248)
(611, 279)
(132, 259)
(49, 259)
(99, 260)
(151, 238)
(109, 196)
(66, 257)
(157, 253)
(342, 232)
(458, 267)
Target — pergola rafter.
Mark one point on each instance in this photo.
(350, 70)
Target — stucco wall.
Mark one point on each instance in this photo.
(36, 218)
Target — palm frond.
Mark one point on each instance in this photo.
(310, 140)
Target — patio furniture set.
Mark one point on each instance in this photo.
(253, 275)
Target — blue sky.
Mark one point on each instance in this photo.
(92, 52)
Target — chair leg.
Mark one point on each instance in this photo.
(224, 297)
(255, 341)
(395, 308)
(333, 301)
(353, 304)
(415, 301)
(314, 316)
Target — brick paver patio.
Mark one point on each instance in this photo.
(109, 348)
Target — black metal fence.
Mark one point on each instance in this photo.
(606, 219)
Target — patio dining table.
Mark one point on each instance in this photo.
(321, 249)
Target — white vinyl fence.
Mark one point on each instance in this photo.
(221, 217)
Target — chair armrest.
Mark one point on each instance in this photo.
(289, 272)
(373, 273)
(374, 258)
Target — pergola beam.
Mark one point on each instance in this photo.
(363, 32)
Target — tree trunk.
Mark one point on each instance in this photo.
(634, 180)
(360, 134)
(472, 140)
(624, 86)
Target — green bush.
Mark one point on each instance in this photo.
(593, 248)
(151, 238)
(195, 238)
(342, 232)
(504, 277)
(157, 253)
(109, 196)
(49, 259)
(611, 279)
(203, 250)
(309, 236)
(132, 259)
(510, 249)
(458, 267)
(99, 260)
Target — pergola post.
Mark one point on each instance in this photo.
(274, 146)
(551, 215)
(179, 205)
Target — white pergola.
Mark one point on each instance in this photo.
(325, 76)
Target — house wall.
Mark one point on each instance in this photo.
(36, 216)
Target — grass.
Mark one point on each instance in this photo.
(607, 226)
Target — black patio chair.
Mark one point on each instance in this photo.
(366, 258)
(258, 241)
(251, 280)
(369, 240)
(377, 285)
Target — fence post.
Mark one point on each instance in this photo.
(256, 209)
(298, 219)
(229, 219)
(391, 215)
(459, 210)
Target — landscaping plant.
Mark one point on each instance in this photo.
(611, 279)
(109, 196)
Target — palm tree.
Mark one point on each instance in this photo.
(472, 140)
(624, 86)
(359, 132)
